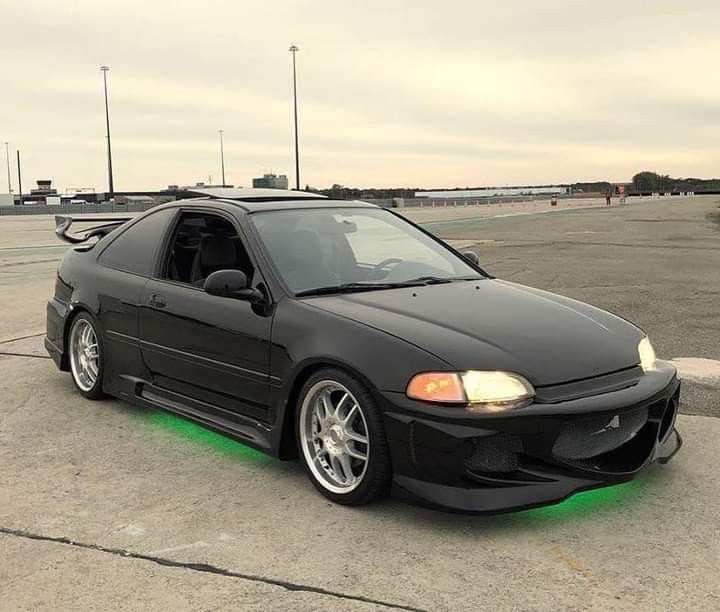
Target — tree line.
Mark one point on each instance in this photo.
(660, 183)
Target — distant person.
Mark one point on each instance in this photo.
(608, 197)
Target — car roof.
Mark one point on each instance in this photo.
(256, 200)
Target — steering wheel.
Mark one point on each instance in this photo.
(374, 273)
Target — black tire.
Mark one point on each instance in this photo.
(95, 390)
(377, 476)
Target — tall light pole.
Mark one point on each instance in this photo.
(294, 49)
(19, 176)
(7, 157)
(222, 158)
(105, 70)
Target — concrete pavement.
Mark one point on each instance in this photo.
(104, 505)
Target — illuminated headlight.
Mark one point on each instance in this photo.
(479, 391)
(495, 391)
(646, 352)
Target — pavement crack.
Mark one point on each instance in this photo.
(27, 263)
(10, 354)
(205, 568)
(7, 340)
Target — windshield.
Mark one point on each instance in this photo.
(353, 248)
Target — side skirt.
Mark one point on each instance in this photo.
(236, 426)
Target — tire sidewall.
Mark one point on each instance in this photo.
(96, 392)
(376, 480)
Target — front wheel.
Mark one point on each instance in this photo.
(86, 356)
(342, 440)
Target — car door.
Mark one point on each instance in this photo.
(125, 259)
(214, 350)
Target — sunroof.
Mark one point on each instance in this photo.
(231, 193)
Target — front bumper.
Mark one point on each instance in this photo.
(488, 463)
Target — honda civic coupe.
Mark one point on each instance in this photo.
(342, 334)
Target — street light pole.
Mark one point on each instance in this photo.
(222, 158)
(105, 70)
(7, 157)
(294, 49)
(19, 176)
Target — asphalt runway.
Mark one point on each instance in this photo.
(107, 506)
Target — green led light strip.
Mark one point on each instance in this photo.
(592, 502)
(206, 437)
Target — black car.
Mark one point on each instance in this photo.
(346, 335)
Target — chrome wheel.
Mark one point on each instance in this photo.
(84, 354)
(334, 436)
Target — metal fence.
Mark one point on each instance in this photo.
(76, 209)
(135, 207)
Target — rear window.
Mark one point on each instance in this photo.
(134, 250)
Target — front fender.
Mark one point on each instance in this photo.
(305, 338)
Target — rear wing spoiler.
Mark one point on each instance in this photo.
(62, 227)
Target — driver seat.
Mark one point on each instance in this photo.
(214, 253)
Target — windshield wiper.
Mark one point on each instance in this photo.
(345, 288)
(426, 280)
(435, 280)
(420, 281)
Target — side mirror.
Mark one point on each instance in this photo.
(472, 257)
(231, 284)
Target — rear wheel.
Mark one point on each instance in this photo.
(342, 439)
(86, 356)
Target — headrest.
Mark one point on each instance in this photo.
(217, 251)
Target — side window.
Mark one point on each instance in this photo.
(135, 248)
(201, 244)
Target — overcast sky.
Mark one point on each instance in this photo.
(392, 92)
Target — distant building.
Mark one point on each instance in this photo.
(197, 185)
(491, 192)
(44, 187)
(134, 199)
(271, 181)
(37, 196)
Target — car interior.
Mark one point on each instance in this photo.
(318, 249)
(202, 244)
(312, 251)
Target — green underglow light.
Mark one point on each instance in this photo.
(205, 437)
(591, 502)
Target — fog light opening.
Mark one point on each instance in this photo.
(496, 454)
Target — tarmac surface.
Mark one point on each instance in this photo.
(105, 505)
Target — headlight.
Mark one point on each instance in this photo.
(497, 390)
(646, 352)
(479, 391)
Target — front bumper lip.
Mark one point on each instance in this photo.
(430, 454)
(507, 499)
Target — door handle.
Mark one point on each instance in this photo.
(158, 301)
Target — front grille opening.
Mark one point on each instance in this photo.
(617, 443)
(668, 418)
(625, 459)
(598, 434)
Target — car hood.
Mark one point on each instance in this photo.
(497, 325)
